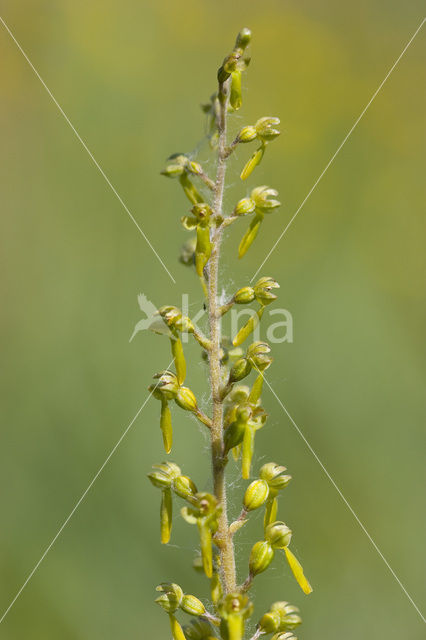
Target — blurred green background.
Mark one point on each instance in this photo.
(131, 76)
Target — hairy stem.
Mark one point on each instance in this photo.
(223, 536)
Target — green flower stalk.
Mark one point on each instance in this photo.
(236, 411)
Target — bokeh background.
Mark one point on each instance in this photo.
(130, 76)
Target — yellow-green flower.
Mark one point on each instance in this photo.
(163, 477)
(204, 512)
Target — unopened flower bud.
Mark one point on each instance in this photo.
(173, 171)
(186, 399)
(234, 435)
(278, 535)
(195, 168)
(263, 290)
(256, 495)
(269, 622)
(171, 597)
(244, 412)
(164, 474)
(258, 355)
(243, 38)
(187, 252)
(229, 65)
(244, 295)
(176, 166)
(261, 557)
(184, 487)
(264, 128)
(197, 563)
(247, 134)
(231, 61)
(240, 369)
(239, 393)
(244, 207)
(192, 605)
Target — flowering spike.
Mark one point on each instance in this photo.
(236, 409)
